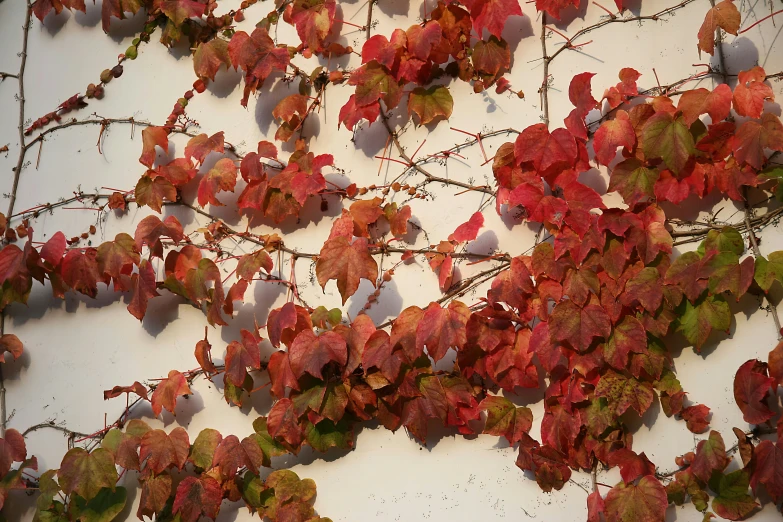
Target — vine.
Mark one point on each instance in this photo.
(589, 309)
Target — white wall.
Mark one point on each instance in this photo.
(76, 348)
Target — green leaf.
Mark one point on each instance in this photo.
(726, 239)
(669, 139)
(104, 507)
(203, 449)
(430, 104)
(768, 271)
(698, 320)
(633, 181)
(269, 446)
(327, 434)
(733, 501)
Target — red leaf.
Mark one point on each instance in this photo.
(751, 92)
(442, 328)
(553, 7)
(753, 137)
(10, 343)
(612, 134)
(221, 177)
(161, 450)
(200, 146)
(258, 56)
(696, 418)
(310, 353)
(240, 356)
(544, 150)
(198, 496)
(710, 456)
(209, 57)
(144, 287)
(152, 137)
(632, 466)
(313, 20)
(768, 469)
(80, 271)
(167, 391)
(346, 262)
(492, 14)
(378, 353)
(751, 389)
(469, 230)
(716, 103)
(724, 15)
(578, 326)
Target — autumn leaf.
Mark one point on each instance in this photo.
(716, 103)
(695, 418)
(543, 150)
(768, 471)
(442, 328)
(624, 392)
(152, 137)
(612, 134)
(115, 8)
(492, 14)
(491, 58)
(732, 501)
(258, 56)
(724, 15)
(430, 104)
(468, 230)
(43, 7)
(643, 502)
(634, 181)
(310, 353)
(750, 140)
(313, 19)
(10, 343)
(167, 391)
(200, 146)
(751, 92)
(697, 320)
(85, 473)
(209, 57)
(347, 262)
(197, 496)
(751, 389)
(221, 177)
(161, 450)
(373, 82)
(553, 7)
(578, 326)
(504, 419)
(668, 138)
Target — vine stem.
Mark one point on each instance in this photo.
(368, 25)
(545, 83)
(757, 253)
(17, 174)
(719, 44)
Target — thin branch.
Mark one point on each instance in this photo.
(17, 174)
(368, 25)
(4, 75)
(544, 90)
(655, 17)
(430, 178)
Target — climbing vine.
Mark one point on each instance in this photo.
(588, 311)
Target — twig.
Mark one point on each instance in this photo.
(17, 174)
(759, 21)
(368, 25)
(544, 90)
